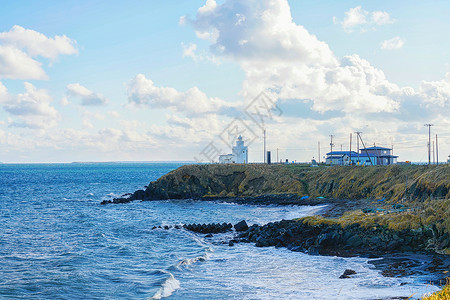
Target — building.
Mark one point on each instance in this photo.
(345, 158)
(239, 154)
(383, 155)
(366, 156)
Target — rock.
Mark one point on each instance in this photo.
(347, 273)
(354, 241)
(241, 226)
(209, 235)
(231, 243)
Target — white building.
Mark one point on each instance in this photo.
(239, 154)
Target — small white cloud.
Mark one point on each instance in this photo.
(358, 18)
(142, 91)
(392, 44)
(87, 96)
(19, 47)
(64, 101)
(16, 64)
(31, 109)
(354, 17)
(381, 18)
(189, 50)
(208, 7)
(182, 21)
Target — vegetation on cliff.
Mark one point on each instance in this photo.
(398, 197)
(394, 183)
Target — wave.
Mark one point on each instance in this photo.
(170, 285)
(190, 261)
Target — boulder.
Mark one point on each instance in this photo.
(241, 226)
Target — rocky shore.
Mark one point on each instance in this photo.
(395, 254)
(371, 211)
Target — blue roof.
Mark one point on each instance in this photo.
(375, 148)
(353, 154)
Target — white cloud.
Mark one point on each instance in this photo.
(32, 108)
(353, 17)
(392, 44)
(358, 18)
(285, 58)
(182, 21)
(268, 34)
(142, 91)
(208, 7)
(381, 18)
(189, 50)
(87, 97)
(436, 92)
(19, 47)
(16, 64)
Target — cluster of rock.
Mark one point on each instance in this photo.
(334, 240)
(209, 228)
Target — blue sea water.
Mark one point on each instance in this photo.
(58, 242)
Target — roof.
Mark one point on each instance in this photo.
(353, 154)
(375, 148)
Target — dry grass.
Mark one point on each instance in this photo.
(444, 294)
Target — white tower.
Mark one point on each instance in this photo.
(240, 151)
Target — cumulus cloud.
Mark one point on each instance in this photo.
(88, 97)
(392, 44)
(142, 91)
(31, 109)
(263, 29)
(20, 47)
(358, 18)
(436, 92)
(284, 58)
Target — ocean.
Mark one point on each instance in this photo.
(58, 242)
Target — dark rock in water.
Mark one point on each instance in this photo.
(347, 273)
(209, 235)
(231, 243)
(241, 226)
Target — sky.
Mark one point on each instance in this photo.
(180, 80)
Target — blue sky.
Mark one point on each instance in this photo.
(162, 80)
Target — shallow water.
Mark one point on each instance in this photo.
(56, 241)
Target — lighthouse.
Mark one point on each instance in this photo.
(240, 151)
(239, 154)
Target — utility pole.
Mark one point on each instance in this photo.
(331, 145)
(264, 146)
(437, 153)
(429, 142)
(350, 149)
(434, 161)
(362, 142)
(357, 143)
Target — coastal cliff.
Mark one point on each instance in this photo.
(368, 202)
(393, 183)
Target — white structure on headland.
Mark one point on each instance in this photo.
(239, 155)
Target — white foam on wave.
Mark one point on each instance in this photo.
(170, 285)
(190, 261)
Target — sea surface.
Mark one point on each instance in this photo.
(58, 242)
